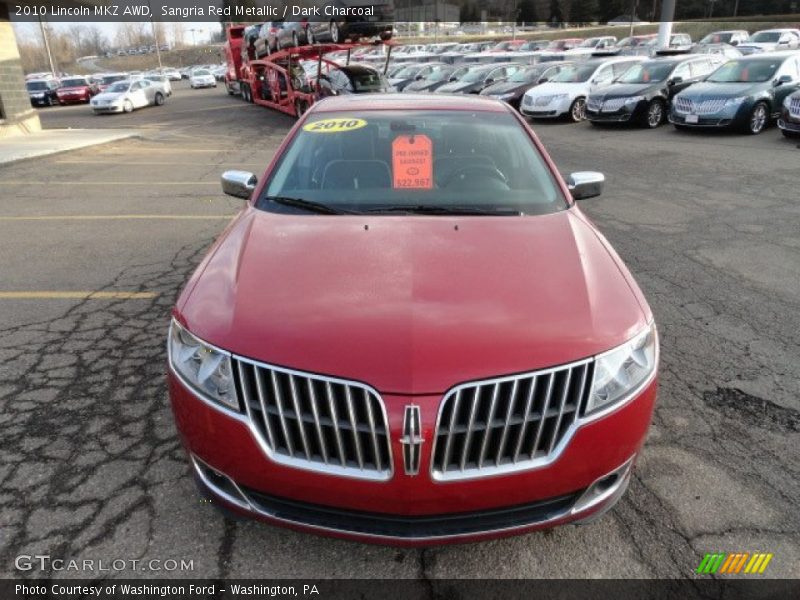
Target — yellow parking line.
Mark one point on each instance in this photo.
(115, 217)
(77, 295)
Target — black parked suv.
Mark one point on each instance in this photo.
(43, 92)
(643, 94)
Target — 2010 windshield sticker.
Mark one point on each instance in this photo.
(335, 125)
(412, 162)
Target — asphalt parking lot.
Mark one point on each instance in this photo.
(90, 463)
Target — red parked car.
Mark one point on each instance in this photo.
(411, 334)
(76, 90)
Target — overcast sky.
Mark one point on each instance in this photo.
(202, 30)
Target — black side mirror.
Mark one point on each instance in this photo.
(489, 81)
(676, 80)
(418, 78)
(783, 79)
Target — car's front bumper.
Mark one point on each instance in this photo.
(788, 123)
(553, 110)
(733, 116)
(411, 509)
(107, 108)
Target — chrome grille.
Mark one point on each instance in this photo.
(314, 422)
(614, 104)
(508, 424)
(709, 107)
(594, 103)
(542, 100)
(794, 108)
(684, 105)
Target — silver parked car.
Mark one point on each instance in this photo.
(127, 95)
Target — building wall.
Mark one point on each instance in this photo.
(16, 113)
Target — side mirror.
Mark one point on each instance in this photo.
(782, 80)
(452, 79)
(734, 42)
(418, 78)
(239, 184)
(676, 80)
(586, 184)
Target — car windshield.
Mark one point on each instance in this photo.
(201, 72)
(717, 38)
(474, 75)
(649, 72)
(111, 79)
(36, 86)
(590, 43)
(367, 81)
(768, 37)
(436, 161)
(73, 82)
(525, 76)
(408, 72)
(118, 88)
(746, 71)
(575, 74)
(439, 75)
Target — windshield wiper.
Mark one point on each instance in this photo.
(426, 209)
(309, 205)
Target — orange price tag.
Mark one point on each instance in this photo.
(412, 162)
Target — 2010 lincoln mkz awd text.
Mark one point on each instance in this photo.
(411, 334)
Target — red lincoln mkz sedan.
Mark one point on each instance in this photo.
(411, 334)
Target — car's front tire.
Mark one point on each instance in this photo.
(127, 106)
(159, 99)
(758, 119)
(577, 111)
(656, 111)
(335, 33)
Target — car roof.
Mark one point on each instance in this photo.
(409, 102)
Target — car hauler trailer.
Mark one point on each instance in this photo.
(282, 81)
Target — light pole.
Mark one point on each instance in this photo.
(47, 48)
(155, 37)
(194, 39)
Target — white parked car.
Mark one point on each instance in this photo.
(201, 78)
(591, 45)
(771, 40)
(127, 95)
(172, 74)
(566, 92)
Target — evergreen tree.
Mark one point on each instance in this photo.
(583, 11)
(527, 12)
(556, 16)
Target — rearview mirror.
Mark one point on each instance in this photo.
(586, 184)
(239, 184)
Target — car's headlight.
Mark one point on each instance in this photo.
(634, 100)
(735, 101)
(206, 369)
(622, 370)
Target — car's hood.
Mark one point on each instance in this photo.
(505, 87)
(421, 86)
(108, 96)
(721, 90)
(412, 304)
(399, 80)
(552, 88)
(457, 86)
(766, 46)
(627, 89)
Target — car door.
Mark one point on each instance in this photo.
(684, 72)
(137, 94)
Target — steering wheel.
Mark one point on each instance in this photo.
(473, 171)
